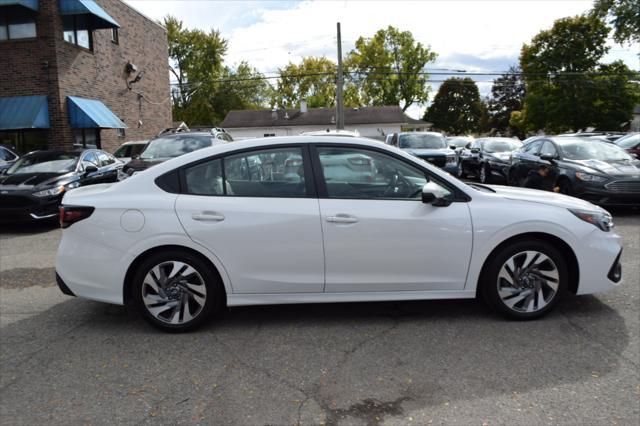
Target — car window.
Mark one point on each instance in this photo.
(476, 144)
(629, 141)
(532, 147)
(548, 149)
(363, 174)
(6, 155)
(205, 178)
(90, 159)
(277, 172)
(123, 151)
(105, 159)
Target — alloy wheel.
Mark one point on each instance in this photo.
(174, 292)
(528, 281)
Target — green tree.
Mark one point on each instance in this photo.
(561, 67)
(507, 95)
(614, 96)
(456, 108)
(622, 15)
(389, 68)
(195, 59)
(313, 80)
(241, 88)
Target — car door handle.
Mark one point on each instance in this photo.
(342, 218)
(208, 217)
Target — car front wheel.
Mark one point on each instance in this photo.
(485, 174)
(460, 171)
(176, 291)
(525, 280)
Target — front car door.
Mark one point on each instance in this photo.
(378, 235)
(258, 213)
(523, 161)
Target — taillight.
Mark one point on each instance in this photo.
(72, 214)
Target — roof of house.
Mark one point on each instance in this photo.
(313, 116)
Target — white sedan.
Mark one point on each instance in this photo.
(307, 219)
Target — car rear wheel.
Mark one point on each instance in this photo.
(177, 291)
(525, 280)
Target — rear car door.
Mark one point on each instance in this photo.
(378, 235)
(258, 213)
(523, 161)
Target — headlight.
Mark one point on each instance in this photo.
(50, 192)
(588, 177)
(602, 220)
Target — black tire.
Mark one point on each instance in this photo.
(460, 172)
(489, 281)
(214, 296)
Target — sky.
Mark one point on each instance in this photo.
(477, 36)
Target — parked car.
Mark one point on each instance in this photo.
(172, 144)
(130, 149)
(186, 247)
(429, 146)
(7, 158)
(487, 159)
(600, 172)
(601, 136)
(457, 144)
(32, 188)
(630, 143)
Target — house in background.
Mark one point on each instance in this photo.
(371, 122)
(69, 71)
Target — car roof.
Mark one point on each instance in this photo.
(135, 142)
(564, 139)
(421, 133)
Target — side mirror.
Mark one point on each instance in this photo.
(475, 150)
(135, 157)
(547, 157)
(90, 169)
(434, 194)
(453, 147)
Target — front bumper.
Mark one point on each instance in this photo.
(499, 170)
(20, 208)
(601, 195)
(598, 255)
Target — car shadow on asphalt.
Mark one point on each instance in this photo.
(28, 228)
(421, 353)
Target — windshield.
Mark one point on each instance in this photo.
(501, 145)
(458, 142)
(422, 141)
(594, 150)
(628, 141)
(45, 162)
(175, 146)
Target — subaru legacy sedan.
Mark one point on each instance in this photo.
(232, 225)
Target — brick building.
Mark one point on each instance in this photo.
(69, 71)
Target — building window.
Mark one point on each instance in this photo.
(114, 36)
(77, 31)
(120, 132)
(86, 138)
(16, 24)
(24, 141)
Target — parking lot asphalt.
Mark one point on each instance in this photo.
(71, 361)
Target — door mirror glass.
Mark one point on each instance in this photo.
(475, 150)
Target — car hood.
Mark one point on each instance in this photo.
(429, 152)
(31, 180)
(613, 168)
(542, 197)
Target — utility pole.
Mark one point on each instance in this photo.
(339, 83)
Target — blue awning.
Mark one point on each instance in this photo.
(91, 114)
(29, 4)
(101, 19)
(24, 112)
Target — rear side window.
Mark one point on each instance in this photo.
(532, 147)
(266, 173)
(105, 159)
(123, 151)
